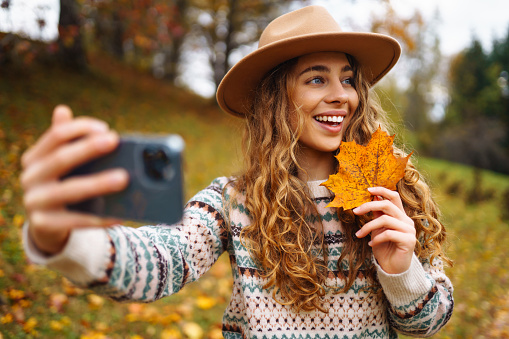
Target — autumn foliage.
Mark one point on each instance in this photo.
(361, 167)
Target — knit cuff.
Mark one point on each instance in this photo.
(407, 287)
(84, 258)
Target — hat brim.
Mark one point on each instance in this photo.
(376, 53)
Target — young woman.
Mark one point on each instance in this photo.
(300, 269)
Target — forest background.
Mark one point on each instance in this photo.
(122, 60)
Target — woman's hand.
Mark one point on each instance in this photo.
(68, 143)
(393, 235)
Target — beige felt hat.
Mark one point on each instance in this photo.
(306, 30)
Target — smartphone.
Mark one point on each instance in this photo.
(155, 192)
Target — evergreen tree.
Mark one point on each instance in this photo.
(475, 130)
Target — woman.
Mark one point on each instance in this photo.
(300, 269)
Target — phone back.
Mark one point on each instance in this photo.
(155, 190)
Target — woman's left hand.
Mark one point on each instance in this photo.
(393, 235)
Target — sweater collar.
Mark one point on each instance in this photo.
(318, 191)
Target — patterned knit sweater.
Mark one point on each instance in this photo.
(151, 262)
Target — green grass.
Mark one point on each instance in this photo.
(478, 244)
(35, 302)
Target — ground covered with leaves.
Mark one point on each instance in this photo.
(38, 303)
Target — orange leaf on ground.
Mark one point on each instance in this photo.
(361, 167)
(205, 302)
(57, 301)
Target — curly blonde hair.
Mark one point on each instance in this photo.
(282, 238)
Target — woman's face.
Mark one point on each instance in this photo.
(324, 91)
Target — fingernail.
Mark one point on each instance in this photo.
(370, 189)
(357, 233)
(355, 210)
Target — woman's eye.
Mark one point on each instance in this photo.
(316, 81)
(348, 81)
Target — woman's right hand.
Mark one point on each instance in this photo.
(68, 143)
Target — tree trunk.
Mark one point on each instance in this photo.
(117, 39)
(71, 51)
(172, 55)
(220, 64)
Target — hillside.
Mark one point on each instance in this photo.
(130, 101)
(35, 302)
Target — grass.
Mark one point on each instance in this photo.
(38, 303)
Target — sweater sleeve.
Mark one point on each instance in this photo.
(420, 299)
(84, 259)
(149, 262)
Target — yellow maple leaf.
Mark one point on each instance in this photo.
(205, 302)
(193, 330)
(361, 167)
(95, 302)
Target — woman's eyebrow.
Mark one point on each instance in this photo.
(316, 68)
(322, 68)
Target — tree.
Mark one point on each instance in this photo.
(136, 31)
(500, 57)
(468, 77)
(222, 26)
(475, 128)
(421, 61)
(70, 42)
(500, 53)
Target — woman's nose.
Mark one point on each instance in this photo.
(336, 93)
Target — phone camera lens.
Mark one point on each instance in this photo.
(157, 164)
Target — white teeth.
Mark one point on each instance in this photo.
(329, 118)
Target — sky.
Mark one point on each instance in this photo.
(459, 21)
(23, 14)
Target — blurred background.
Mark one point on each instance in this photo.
(153, 66)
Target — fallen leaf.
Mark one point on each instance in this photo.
(6, 319)
(30, 325)
(93, 335)
(361, 167)
(57, 301)
(56, 325)
(101, 326)
(215, 333)
(15, 294)
(18, 220)
(205, 302)
(170, 318)
(18, 277)
(95, 302)
(135, 308)
(18, 313)
(192, 330)
(70, 289)
(170, 333)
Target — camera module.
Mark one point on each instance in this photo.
(157, 164)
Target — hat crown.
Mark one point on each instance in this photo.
(304, 21)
